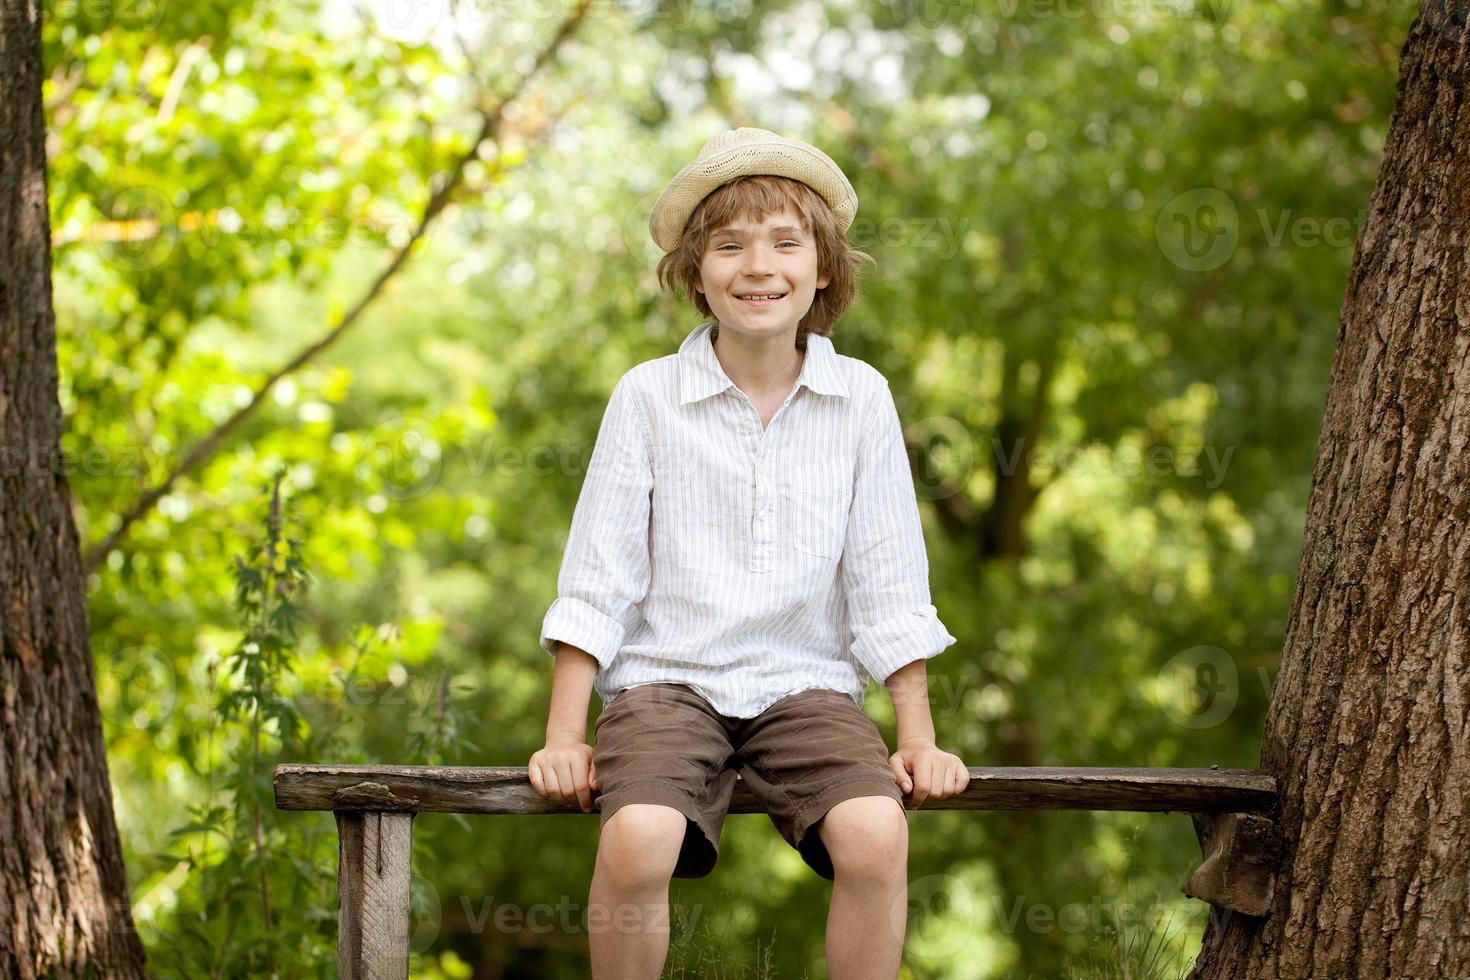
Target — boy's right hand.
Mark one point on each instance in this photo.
(563, 771)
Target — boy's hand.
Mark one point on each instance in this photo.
(929, 772)
(563, 770)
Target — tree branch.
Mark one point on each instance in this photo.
(491, 117)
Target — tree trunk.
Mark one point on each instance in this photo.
(64, 907)
(1368, 733)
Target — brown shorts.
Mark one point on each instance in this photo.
(664, 743)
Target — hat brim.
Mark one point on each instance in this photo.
(779, 158)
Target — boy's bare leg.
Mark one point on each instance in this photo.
(869, 911)
(628, 907)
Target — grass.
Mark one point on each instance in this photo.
(1119, 954)
(708, 964)
(1132, 954)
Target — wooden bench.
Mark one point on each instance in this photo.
(1232, 811)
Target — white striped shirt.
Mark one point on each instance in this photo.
(748, 564)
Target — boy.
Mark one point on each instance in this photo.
(745, 554)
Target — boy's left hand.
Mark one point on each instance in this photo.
(929, 772)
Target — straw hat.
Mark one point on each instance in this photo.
(748, 151)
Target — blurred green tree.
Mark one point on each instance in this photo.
(1112, 239)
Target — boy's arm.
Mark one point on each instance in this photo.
(908, 686)
(571, 691)
(885, 573)
(605, 568)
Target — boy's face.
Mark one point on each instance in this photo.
(776, 256)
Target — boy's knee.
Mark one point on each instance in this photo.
(867, 836)
(639, 844)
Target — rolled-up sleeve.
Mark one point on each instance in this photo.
(885, 569)
(605, 568)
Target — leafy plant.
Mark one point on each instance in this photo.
(259, 901)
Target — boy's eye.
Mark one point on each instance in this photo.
(733, 245)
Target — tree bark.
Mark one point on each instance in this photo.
(1368, 733)
(64, 907)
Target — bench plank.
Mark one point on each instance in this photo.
(508, 789)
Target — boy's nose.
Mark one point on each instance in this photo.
(757, 261)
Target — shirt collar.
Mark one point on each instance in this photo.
(701, 374)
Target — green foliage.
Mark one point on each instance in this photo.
(1043, 185)
(258, 898)
(248, 879)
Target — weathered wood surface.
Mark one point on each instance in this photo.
(1242, 852)
(373, 875)
(507, 789)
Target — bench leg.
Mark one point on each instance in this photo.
(373, 875)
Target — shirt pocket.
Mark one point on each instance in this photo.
(816, 497)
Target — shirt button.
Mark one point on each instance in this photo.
(763, 514)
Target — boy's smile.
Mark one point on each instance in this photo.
(760, 280)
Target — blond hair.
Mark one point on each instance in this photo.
(755, 196)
